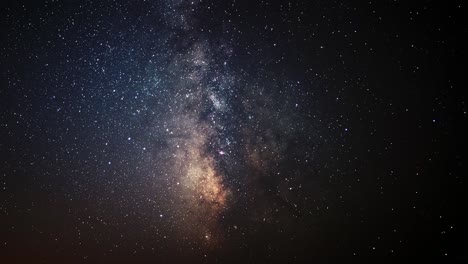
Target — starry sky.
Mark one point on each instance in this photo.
(231, 131)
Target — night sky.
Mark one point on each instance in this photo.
(231, 131)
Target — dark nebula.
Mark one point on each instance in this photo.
(231, 131)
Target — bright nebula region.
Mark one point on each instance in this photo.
(172, 131)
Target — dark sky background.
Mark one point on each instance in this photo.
(231, 131)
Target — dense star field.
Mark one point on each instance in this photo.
(231, 131)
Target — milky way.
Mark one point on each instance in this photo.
(192, 133)
(205, 131)
(199, 193)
